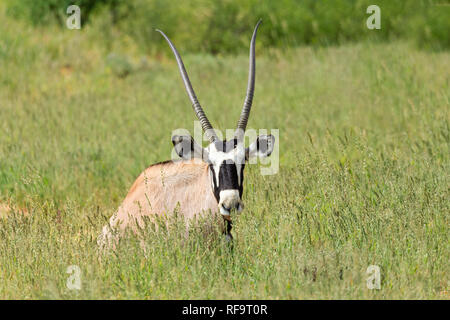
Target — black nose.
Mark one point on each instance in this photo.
(233, 206)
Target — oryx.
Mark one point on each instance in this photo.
(205, 180)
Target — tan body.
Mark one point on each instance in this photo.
(183, 185)
(211, 184)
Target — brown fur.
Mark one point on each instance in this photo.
(161, 189)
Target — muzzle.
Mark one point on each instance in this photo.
(229, 201)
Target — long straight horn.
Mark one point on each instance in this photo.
(243, 119)
(206, 125)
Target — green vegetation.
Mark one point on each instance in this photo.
(364, 166)
(220, 27)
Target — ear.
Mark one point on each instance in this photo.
(262, 147)
(187, 148)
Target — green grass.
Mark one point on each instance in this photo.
(363, 180)
(223, 27)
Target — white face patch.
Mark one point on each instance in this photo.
(236, 156)
(229, 199)
(226, 175)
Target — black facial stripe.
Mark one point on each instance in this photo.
(216, 190)
(241, 183)
(228, 178)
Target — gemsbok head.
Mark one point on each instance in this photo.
(205, 180)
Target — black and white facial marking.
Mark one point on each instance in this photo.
(226, 164)
(226, 161)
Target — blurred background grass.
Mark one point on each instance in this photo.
(222, 26)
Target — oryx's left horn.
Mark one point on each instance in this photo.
(206, 125)
(243, 119)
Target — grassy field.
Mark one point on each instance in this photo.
(363, 180)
